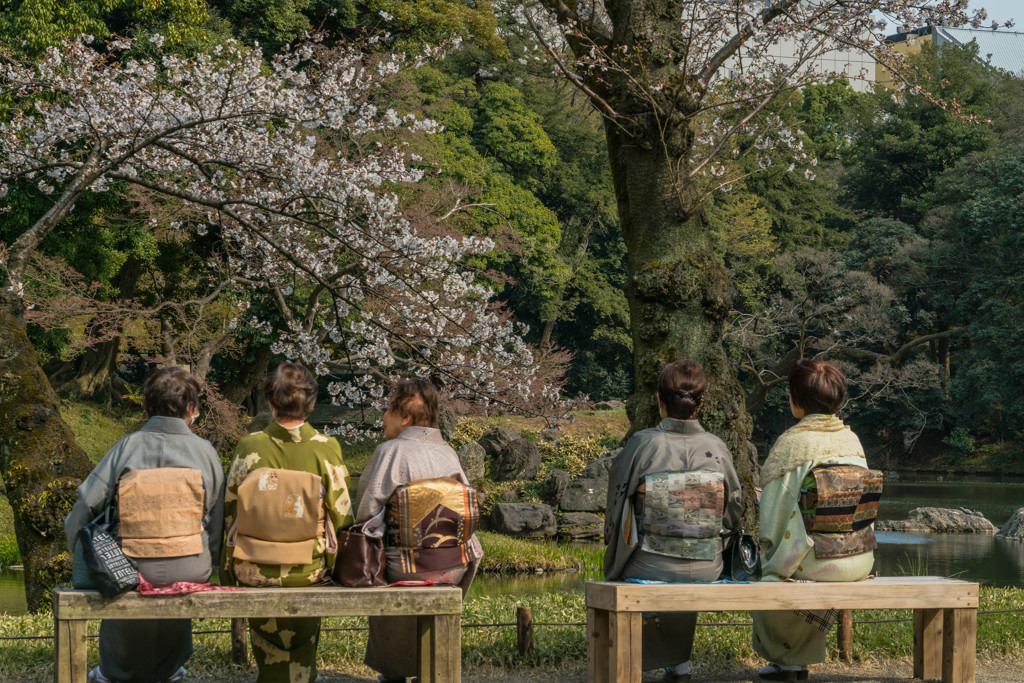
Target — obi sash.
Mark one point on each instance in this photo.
(839, 503)
(161, 512)
(430, 522)
(280, 517)
(680, 513)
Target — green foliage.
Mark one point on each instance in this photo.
(570, 453)
(961, 441)
(33, 25)
(505, 554)
(97, 428)
(9, 553)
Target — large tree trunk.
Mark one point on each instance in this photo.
(238, 387)
(94, 377)
(678, 296)
(40, 462)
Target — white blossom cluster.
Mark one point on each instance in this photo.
(296, 166)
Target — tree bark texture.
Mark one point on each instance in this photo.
(94, 376)
(239, 386)
(40, 461)
(678, 293)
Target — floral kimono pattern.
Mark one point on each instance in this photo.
(285, 648)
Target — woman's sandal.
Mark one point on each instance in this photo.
(774, 672)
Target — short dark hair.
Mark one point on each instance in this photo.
(681, 388)
(415, 397)
(291, 388)
(170, 392)
(817, 386)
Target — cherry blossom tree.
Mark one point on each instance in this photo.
(690, 91)
(296, 167)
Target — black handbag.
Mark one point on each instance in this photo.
(81, 577)
(113, 571)
(741, 558)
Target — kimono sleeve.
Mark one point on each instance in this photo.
(784, 540)
(245, 459)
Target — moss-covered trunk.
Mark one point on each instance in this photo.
(679, 296)
(40, 462)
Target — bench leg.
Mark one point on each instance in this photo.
(69, 651)
(625, 649)
(927, 643)
(959, 644)
(597, 646)
(440, 648)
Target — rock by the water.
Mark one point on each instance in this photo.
(553, 486)
(940, 520)
(578, 526)
(519, 459)
(609, 405)
(600, 467)
(472, 456)
(528, 520)
(585, 495)
(1013, 530)
(589, 491)
(495, 440)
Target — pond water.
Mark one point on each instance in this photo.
(983, 558)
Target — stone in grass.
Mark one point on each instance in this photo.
(520, 460)
(472, 456)
(526, 520)
(494, 441)
(553, 486)
(610, 405)
(579, 526)
(1013, 530)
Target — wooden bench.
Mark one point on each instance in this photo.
(438, 608)
(945, 616)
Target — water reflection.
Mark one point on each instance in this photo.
(983, 558)
(995, 497)
(12, 592)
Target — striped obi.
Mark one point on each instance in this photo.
(430, 522)
(839, 503)
(680, 513)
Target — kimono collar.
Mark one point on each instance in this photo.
(425, 434)
(166, 425)
(814, 437)
(304, 432)
(671, 424)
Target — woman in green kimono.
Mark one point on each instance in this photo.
(285, 648)
(672, 490)
(791, 640)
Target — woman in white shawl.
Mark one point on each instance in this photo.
(791, 640)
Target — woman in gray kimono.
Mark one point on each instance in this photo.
(415, 451)
(148, 651)
(671, 492)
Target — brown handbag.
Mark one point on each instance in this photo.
(360, 562)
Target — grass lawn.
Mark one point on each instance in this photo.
(555, 647)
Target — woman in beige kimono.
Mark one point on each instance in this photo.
(288, 477)
(415, 451)
(650, 535)
(791, 640)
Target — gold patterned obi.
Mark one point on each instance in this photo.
(430, 521)
(839, 503)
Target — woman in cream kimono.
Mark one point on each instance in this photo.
(652, 464)
(285, 648)
(414, 451)
(791, 640)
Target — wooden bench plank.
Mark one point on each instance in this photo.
(959, 643)
(879, 593)
(262, 602)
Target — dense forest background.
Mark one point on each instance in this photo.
(899, 257)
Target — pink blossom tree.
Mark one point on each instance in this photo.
(295, 166)
(689, 90)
